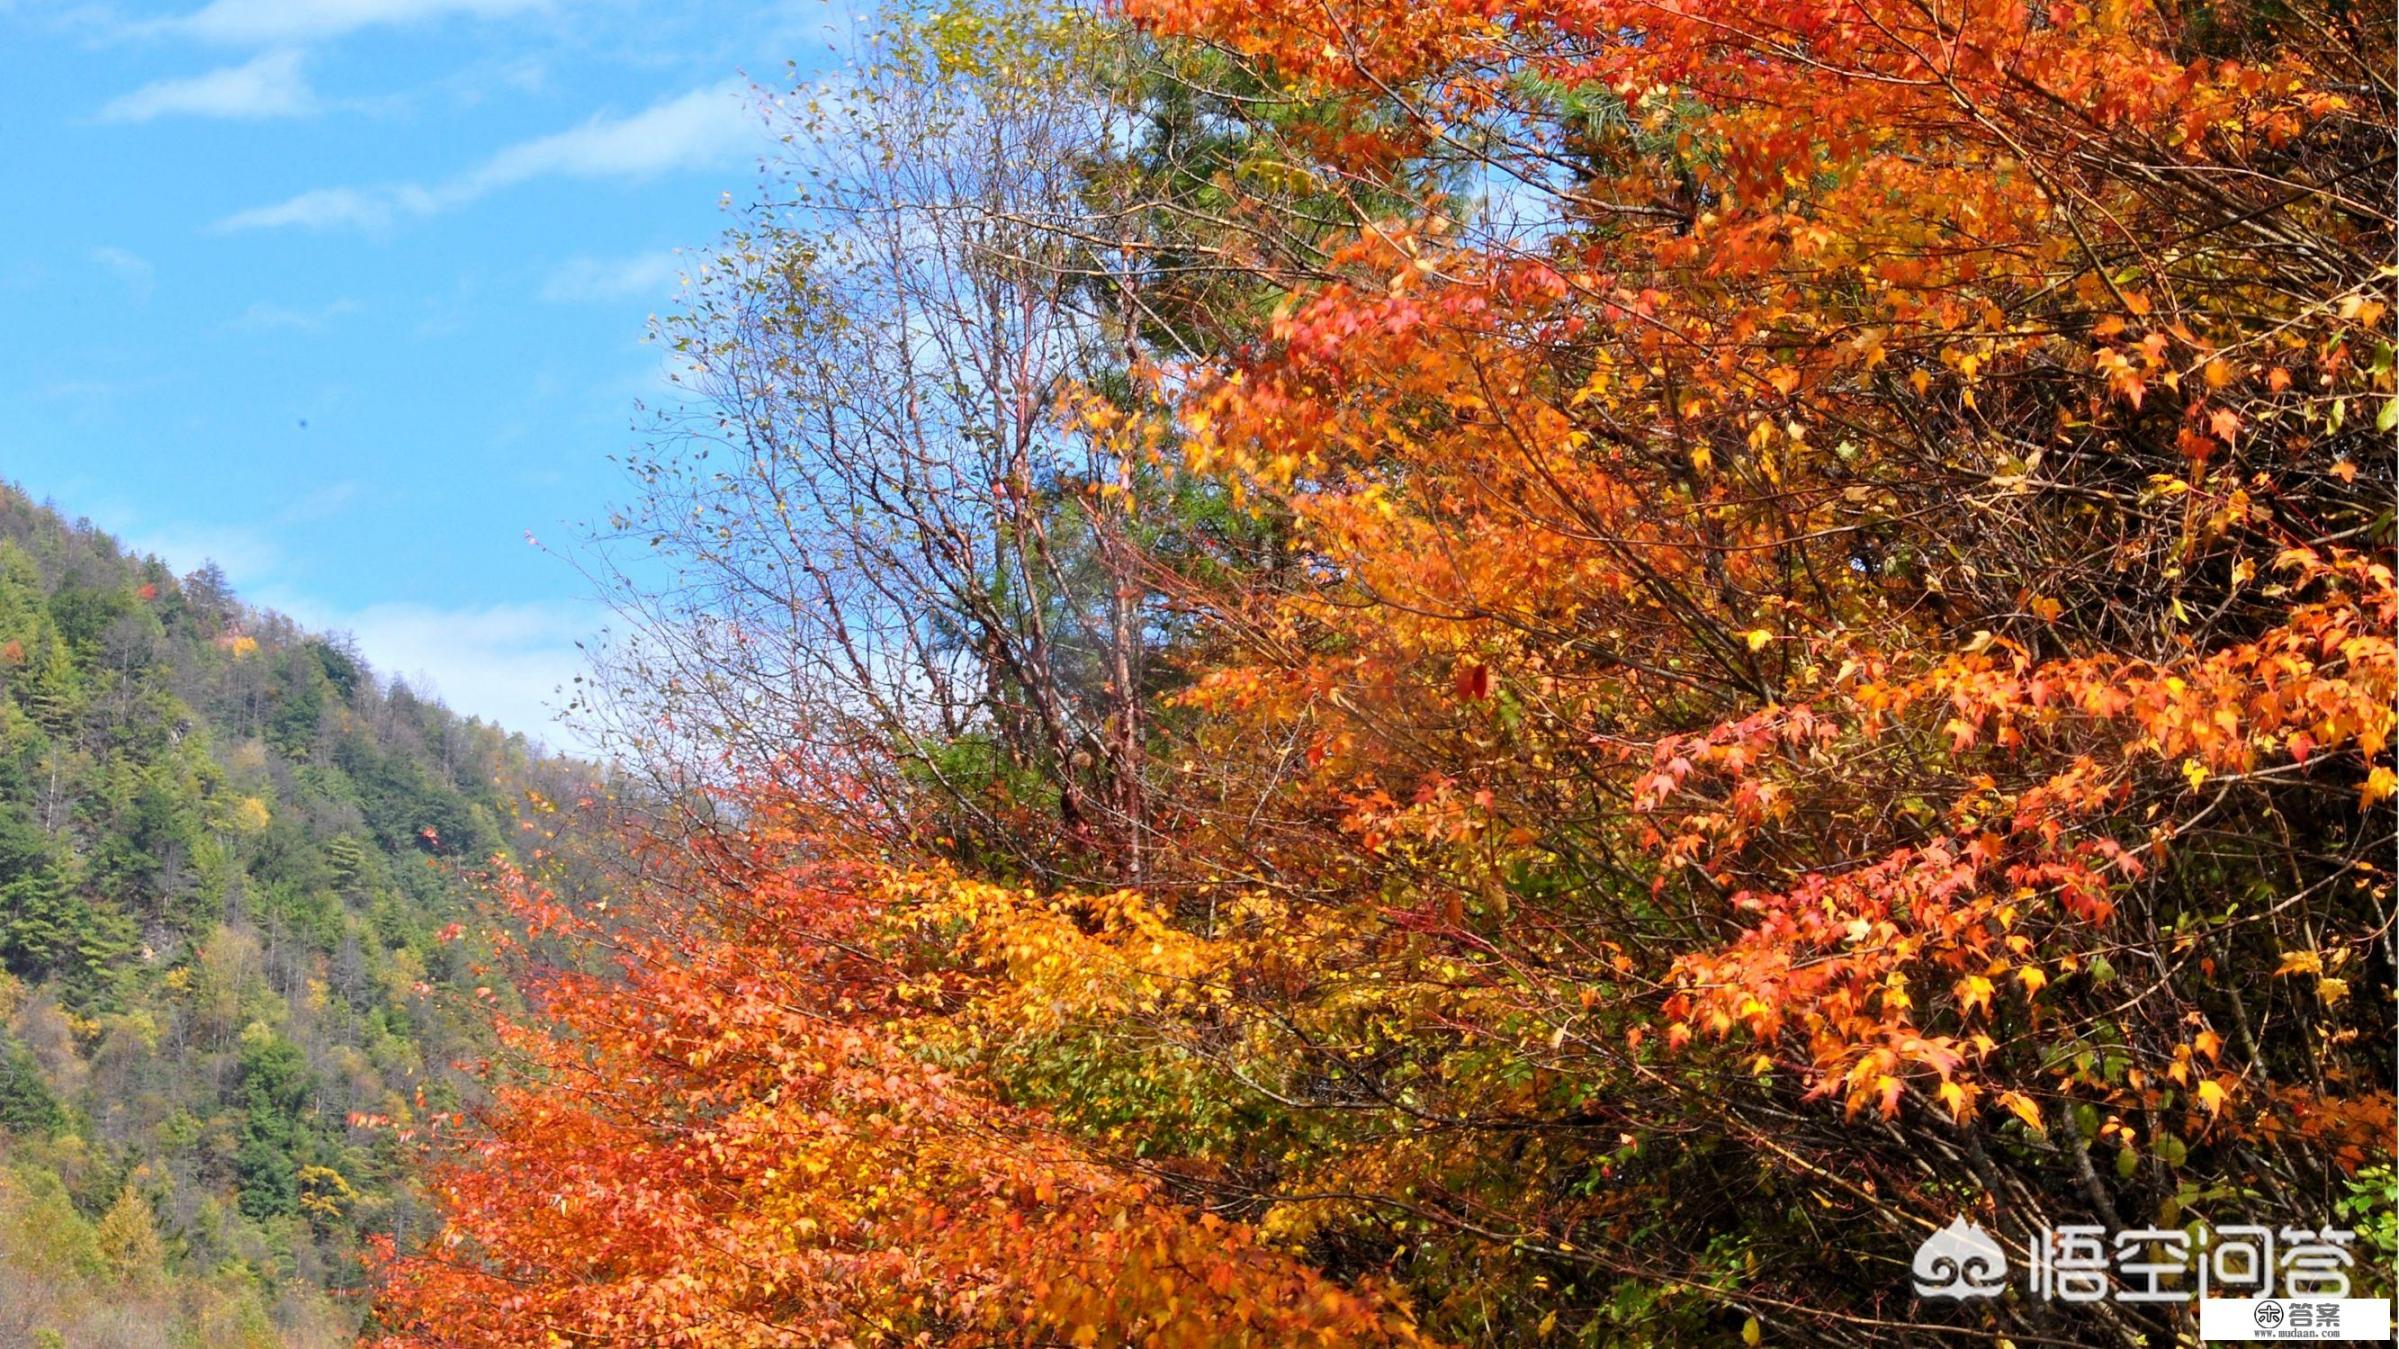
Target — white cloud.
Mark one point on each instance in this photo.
(699, 129)
(694, 130)
(265, 317)
(269, 85)
(97, 390)
(274, 21)
(644, 276)
(323, 209)
(246, 555)
(505, 663)
(321, 504)
(131, 268)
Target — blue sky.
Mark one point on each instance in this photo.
(349, 295)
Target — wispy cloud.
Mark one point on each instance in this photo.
(280, 21)
(321, 504)
(505, 662)
(704, 127)
(269, 85)
(583, 280)
(134, 270)
(244, 553)
(511, 664)
(97, 391)
(698, 128)
(264, 317)
(371, 210)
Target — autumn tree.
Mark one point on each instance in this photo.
(726, 1131)
(1845, 665)
(1571, 673)
(875, 529)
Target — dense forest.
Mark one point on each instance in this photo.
(1534, 671)
(228, 849)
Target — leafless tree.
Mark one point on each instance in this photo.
(877, 543)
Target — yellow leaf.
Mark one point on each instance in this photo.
(2331, 990)
(1974, 991)
(1758, 638)
(1750, 1333)
(2300, 962)
(2211, 1095)
(249, 815)
(1954, 1096)
(2022, 1108)
(2033, 980)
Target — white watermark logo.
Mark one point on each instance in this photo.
(1960, 1261)
(2251, 1283)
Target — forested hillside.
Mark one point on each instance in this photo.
(228, 849)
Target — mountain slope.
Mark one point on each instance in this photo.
(228, 851)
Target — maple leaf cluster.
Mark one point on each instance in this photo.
(1826, 659)
(730, 1132)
